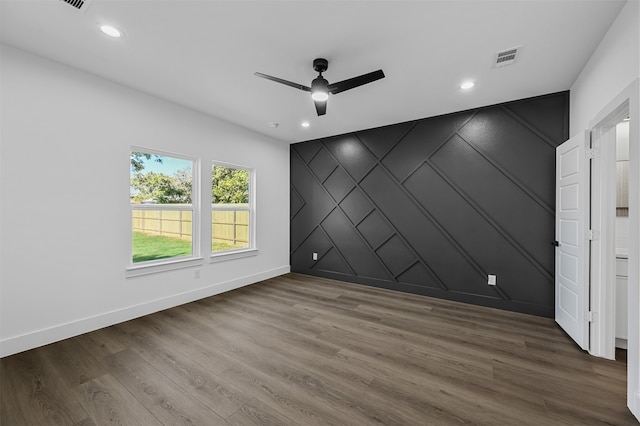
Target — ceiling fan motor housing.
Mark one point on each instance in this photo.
(319, 84)
(319, 89)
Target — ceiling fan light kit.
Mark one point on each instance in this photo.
(320, 88)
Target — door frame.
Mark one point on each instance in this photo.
(603, 246)
(602, 260)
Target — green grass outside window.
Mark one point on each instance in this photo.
(148, 247)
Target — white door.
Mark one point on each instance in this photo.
(572, 261)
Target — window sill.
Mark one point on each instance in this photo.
(231, 255)
(163, 266)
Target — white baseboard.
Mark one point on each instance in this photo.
(13, 345)
(621, 343)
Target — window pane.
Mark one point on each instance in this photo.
(230, 230)
(229, 185)
(230, 217)
(159, 179)
(166, 182)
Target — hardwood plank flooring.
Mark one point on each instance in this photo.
(300, 350)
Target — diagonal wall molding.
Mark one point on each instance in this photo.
(434, 205)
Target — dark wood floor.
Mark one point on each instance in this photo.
(297, 350)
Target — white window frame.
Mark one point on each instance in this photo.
(252, 250)
(171, 263)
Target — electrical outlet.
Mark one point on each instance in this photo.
(196, 274)
(315, 256)
(491, 280)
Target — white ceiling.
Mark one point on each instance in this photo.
(202, 54)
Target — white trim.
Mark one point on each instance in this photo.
(146, 150)
(230, 165)
(169, 207)
(253, 222)
(621, 343)
(15, 344)
(196, 198)
(603, 249)
(162, 265)
(223, 256)
(633, 352)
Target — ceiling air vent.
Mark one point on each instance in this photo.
(78, 4)
(506, 57)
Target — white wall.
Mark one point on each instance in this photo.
(614, 67)
(65, 218)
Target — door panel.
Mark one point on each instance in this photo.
(572, 209)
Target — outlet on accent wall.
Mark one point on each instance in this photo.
(315, 256)
(491, 280)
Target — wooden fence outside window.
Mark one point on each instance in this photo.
(228, 226)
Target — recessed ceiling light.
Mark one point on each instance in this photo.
(111, 31)
(305, 124)
(467, 85)
(273, 125)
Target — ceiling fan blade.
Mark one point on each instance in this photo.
(285, 82)
(321, 107)
(343, 85)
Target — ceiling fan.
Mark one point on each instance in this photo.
(320, 88)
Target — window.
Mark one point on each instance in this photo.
(231, 208)
(163, 207)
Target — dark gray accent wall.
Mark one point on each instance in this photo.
(435, 205)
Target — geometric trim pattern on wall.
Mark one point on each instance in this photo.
(435, 205)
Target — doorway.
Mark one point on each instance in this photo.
(590, 312)
(609, 246)
(616, 237)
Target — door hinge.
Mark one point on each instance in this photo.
(592, 235)
(589, 316)
(592, 153)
